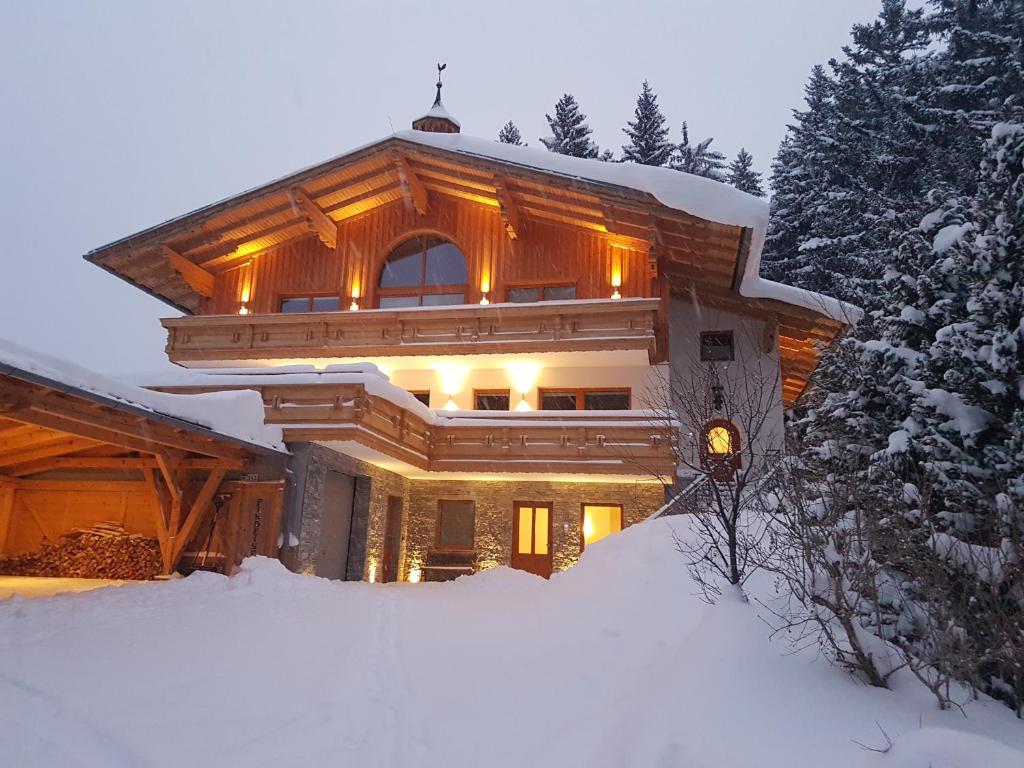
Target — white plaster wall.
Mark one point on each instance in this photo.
(753, 358)
(645, 381)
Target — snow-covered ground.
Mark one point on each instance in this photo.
(613, 663)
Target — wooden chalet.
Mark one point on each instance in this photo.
(466, 343)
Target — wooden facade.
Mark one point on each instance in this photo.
(327, 231)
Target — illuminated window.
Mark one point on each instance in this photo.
(424, 271)
(456, 521)
(310, 303)
(526, 293)
(721, 449)
(716, 346)
(533, 530)
(600, 520)
(491, 399)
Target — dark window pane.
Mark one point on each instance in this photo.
(398, 302)
(404, 266)
(558, 401)
(560, 293)
(442, 299)
(326, 303)
(606, 401)
(295, 305)
(716, 346)
(455, 527)
(523, 295)
(492, 401)
(445, 264)
(423, 397)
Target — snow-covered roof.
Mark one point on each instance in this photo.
(695, 195)
(237, 415)
(438, 111)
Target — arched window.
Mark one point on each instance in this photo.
(721, 448)
(423, 271)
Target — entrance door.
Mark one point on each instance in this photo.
(392, 540)
(531, 538)
(335, 525)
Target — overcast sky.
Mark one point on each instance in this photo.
(119, 115)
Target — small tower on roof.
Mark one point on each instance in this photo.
(437, 120)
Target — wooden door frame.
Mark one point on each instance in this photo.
(516, 506)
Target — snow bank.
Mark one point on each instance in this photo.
(235, 414)
(612, 663)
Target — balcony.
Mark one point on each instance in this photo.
(388, 420)
(600, 324)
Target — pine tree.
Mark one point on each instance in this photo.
(509, 134)
(698, 159)
(742, 175)
(648, 133)
(570, 134)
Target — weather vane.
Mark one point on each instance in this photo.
(440, 68)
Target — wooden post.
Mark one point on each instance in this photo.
(7, 490)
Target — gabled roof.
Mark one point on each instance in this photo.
(706, 236)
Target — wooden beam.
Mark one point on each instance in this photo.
(58, 448)
(135, 463)
(7, 490)
(412, 188)
(162, 509)
(180, 539)
(197, 278)
(509, 211)
(319, 223)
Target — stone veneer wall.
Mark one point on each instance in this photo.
(310, 464)
(494, 505)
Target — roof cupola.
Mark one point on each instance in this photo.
(437, 119)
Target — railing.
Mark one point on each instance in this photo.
(574, 442)
(499, 328)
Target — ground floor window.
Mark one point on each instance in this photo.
(456, 522)
(600, 520)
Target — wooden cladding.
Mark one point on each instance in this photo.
(549, 253)
(626, 444)
(624, 324)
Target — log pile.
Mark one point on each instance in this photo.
(105, 551)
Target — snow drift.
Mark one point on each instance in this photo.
(613, 663)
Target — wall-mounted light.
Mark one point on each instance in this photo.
(243, 310)
(355, 295)
(372, 571)
(616, 275)
(523, 405)
(354, 305)
(616, 294)
(484, 300)
(415, 574)
(450, 405)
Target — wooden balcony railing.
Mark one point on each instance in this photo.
(465, 330)
(570, 442)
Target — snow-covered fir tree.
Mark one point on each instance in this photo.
(741, 174)
(570, 134)
(698, 159)
(509, 134)
(647, 132)
(900, 188)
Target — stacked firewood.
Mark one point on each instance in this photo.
(104, 551)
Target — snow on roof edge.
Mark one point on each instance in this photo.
(234, 415)
(695, 195)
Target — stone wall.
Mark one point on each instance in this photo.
(309, 466)
(494, 506)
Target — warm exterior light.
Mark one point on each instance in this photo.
(484, 300)
(450, 405)
(616, 294)
(354, 305)
(719, 441)
(523, 375)
(414, 575)
(372, 571)
(243, 310)
(452, 377)
(523, 405)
